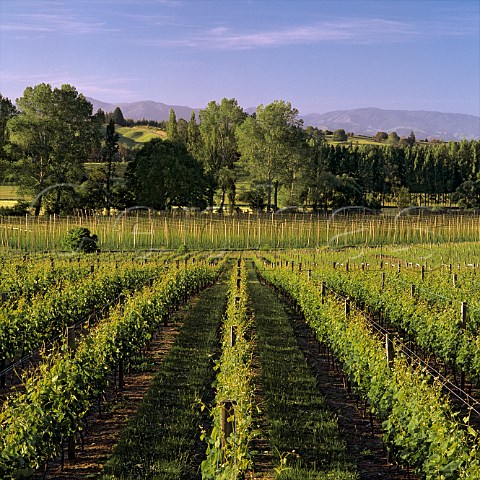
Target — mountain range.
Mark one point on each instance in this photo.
(360, 121)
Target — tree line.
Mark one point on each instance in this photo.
(49, 135)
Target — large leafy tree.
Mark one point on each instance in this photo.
(7, 111)
(218, 123)
(164, 175)
(55, 132)
(269, 144)
(194, 138)
(467, 195)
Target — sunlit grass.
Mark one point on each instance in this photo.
(139, 134)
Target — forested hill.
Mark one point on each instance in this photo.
(361, 121)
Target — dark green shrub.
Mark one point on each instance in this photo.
(18, 210)
(79, 239)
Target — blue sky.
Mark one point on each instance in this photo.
(319, 55)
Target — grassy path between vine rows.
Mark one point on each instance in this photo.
(302, 431)
(160, 397)
(363, 445)
(161, 442)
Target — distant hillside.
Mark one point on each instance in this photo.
(361, 121)
(146, 109)
(425, 124)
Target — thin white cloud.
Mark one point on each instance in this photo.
(52, 23)
(351, 30)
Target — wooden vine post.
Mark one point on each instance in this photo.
(71, 340)
(228, 420)
(347, 307)
(233, 335)
(390, 351)
(463, 313)
(390, 356)
(2, 377)
(71, 349)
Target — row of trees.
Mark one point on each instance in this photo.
(278, 157)
(46, 139)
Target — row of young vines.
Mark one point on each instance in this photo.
(420, 427)
(56, 397)
(32, 321)
(228, 451)
(437, 306)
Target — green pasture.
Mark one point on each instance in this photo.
(9, 195)
(132, 136)
(8, 192)
(359, 140)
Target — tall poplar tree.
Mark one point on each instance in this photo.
(109, 152)
(172, 127)
(218, 123)
(7, 111)
(194, 139)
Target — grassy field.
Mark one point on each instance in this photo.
(360, 140)
(132, 136)
(8, 192)
(8, 195)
